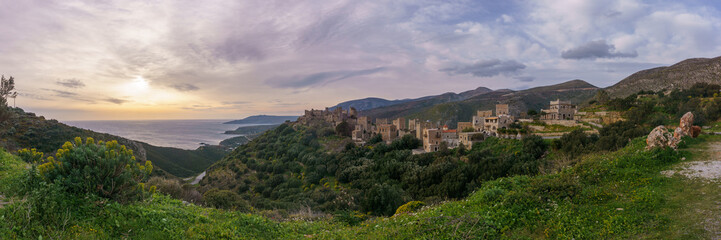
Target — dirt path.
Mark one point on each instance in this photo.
(707, 168)
(699, 196)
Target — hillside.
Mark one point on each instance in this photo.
(617, 195)
(298, 166)
(263, 119)
(681, 75)
(26, 130)
(369, 104)
(451, 112)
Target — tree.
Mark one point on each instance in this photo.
(344, 129)
(383, 199)
(6, 90)
(375, 139)
(7, 87)
(602, 96)
(532, 113)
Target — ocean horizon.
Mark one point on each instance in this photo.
(185, 134)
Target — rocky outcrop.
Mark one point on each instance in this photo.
(660, 137)
(684, 127)
(695, 131)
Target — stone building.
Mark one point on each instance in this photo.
(363, 130)
(469, 138)
(450, 136)
(485, 113)
(421, 127)
(502, 109)
(559, 110)
(400, 123)
(388, 132)
(464, 125)
(492, 124)
(334, 117)
(431, 139)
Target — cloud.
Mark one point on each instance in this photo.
(236, 102)
(525, 78)
(71, 83)
(595, 49)
(68, 95)
(486, 68)
(184, 87)
(320, 78)
(298, 51)
(115, 100)
(61, 93)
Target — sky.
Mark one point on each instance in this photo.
(183, 59)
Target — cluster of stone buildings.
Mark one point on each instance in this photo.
(484, 123)
(335, 116)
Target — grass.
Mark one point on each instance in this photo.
(11, 167)
(617, 195)
(693, 206)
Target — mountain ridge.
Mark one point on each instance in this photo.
(263, 119)
(681, 75)
(374, 102)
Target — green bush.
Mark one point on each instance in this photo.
(350, 218)
(410, 207)
(108, 170)
(226, 200)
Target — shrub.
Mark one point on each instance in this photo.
(30, 155)
(171, 187)
(226, 200)
(108, 169)
(410, 207)
(350, 218)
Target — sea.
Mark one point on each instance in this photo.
(184, 134)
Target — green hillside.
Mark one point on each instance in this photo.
(26, 130)
(296, 166)
(616, 195)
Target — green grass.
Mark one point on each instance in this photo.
(616, 195)
(619, 195)
(11, 167)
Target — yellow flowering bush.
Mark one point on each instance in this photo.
(30, 155)
(107, 169)
(410, 207)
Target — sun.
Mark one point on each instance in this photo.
(139, 83)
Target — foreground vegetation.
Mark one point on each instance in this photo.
(621, 194)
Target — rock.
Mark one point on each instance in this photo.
(695, 131)
(685, 126)
(660, 137)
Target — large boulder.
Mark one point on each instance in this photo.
(685, 127)
(696, 130)
(661, 137)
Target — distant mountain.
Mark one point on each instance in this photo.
(263, 119)
(447, 111)
(372, 103)
(369, 103)
(681, 75)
